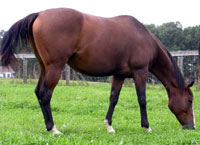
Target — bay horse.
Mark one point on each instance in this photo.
(120, 46)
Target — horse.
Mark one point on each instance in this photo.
(120, 46)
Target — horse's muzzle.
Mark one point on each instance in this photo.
(188, 126)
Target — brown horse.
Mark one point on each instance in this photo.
(119, 46)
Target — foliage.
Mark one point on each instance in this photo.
(170, 34)
(79, 112)
(174, 37)
(192, 37)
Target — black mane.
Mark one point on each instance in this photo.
(179, 77)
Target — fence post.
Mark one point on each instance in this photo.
(67, 74)
(180, 63)
(25, 64)
(198, 70)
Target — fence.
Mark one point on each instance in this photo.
(186, 60)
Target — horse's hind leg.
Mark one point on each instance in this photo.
(117, 83)
(41, 79)
(51, 78)
(43, 91)
(140, 77)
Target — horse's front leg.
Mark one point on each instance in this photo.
(115, 91)
(140, 78)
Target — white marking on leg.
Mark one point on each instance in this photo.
(55, 131)
(149, 130)
(109, 127)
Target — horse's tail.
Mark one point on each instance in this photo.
(20, 31)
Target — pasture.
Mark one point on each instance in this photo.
(79, 112)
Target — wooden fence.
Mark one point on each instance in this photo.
(179, 54)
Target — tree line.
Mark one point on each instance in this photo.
(174, 37)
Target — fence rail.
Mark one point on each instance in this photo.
(184, 53)
(173, 53)
(179, 54)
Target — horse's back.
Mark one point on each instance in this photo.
(112, 45)
(91, 44)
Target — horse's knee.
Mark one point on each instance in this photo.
(44, 95)
(114, 99)
(142, 101)
(114, 96)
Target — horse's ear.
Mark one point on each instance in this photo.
(189, 85)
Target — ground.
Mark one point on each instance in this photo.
(79, 112)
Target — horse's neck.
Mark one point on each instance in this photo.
(164, 70)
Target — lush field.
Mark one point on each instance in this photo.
(79, 112)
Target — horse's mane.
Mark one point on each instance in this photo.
(179, 76)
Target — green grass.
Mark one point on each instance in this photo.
(79, 112)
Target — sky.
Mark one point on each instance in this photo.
(157, 12)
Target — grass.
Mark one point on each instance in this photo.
(79, 112)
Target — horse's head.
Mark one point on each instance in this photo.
(181, 104)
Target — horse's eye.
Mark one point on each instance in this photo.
(190, 101)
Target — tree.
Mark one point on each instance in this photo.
(174, 37)
(191, 38)
(170, 34)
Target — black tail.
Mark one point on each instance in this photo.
(20, 31)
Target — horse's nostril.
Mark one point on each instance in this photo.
(188, 126)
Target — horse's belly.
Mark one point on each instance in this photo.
(92, 68)
(97, 67)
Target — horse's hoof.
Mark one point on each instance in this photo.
(149, 130)
(109, 127)
(55, 131)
